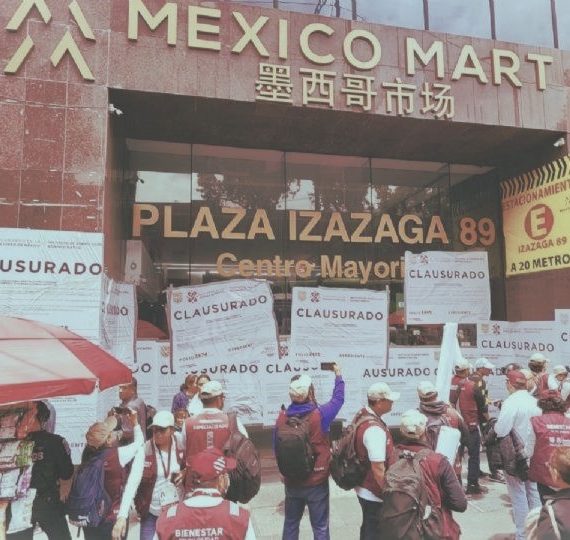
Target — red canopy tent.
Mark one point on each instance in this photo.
(38, 361)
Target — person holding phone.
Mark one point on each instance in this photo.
(155, 474)
(101, 441)
(312, 491)
(129, 401)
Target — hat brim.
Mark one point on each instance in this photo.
(210, 396)
(161, 425)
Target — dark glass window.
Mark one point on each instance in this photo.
(159, 191)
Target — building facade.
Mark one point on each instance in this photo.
(212, 140)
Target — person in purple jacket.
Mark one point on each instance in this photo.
(312, 491)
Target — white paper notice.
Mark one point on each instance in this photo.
(74, 415)
(119, 319)
(346, 326)
(228, 330)
(504, 342)
(562, 317)
(157, 385)
(52, 277)
(445, 286)
(408, 366)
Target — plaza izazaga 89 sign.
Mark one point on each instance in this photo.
(536, 219)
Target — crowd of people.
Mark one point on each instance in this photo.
(180, 470)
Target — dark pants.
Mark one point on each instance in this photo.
(317, 500)
(473, 449)
(544, 491)
(50, 516)
(103, 532)
(370, 528)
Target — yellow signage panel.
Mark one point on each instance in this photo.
(536, 219)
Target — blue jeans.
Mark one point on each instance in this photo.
(148, 527)
(317, 499)
(474, 449)
(524, 497)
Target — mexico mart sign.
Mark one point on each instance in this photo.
(206, 30)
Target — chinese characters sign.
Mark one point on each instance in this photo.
(360, 92)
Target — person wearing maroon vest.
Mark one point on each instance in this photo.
(374, 446)
(314, 491)
(205, 513)
(210, 428)
(467, 397)
(444, 489)
(101, 437)
(435, 409)
(554, 518)
(550, 430)
(154, 475)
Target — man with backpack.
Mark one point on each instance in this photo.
(374, 446)
(515, 415)
(439, 413)
(51, 463)
(95, 495)
(303, 455)
(213, 428)
(421, 489)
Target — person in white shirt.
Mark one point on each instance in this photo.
(195, 404)
(374, 446)
(557, 378)
(516, 412)
(153, 479)
(205, 513)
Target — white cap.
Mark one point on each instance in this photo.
(426, 388)
(163, 419)
(539, 358)
(484, 363)
(559, 370)
(381, 390)
(461, 364)
(299, 388)
(413, 424)
(211, 389)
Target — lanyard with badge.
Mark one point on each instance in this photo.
(168, 491)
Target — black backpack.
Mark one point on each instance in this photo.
(407, 513)
(245, 479)
(293, 450)
(346, 469)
